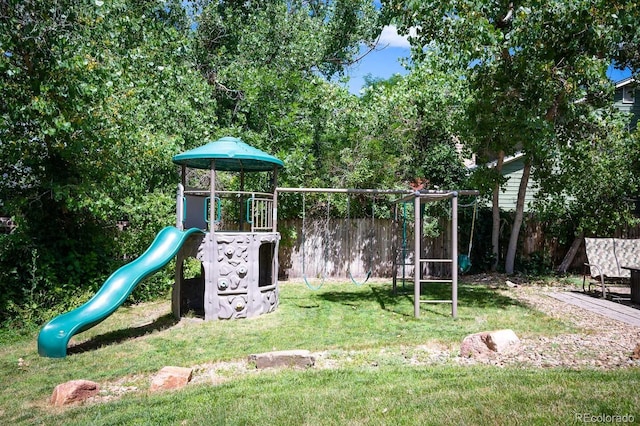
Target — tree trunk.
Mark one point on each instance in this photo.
(495, 229)
(566, 262)
(517, 221)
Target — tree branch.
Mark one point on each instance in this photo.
(506, 20)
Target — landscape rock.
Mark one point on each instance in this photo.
(74, 391)
(292, 358)
(502, 341)
(169, 378)
(474, 345)
(636, 352)
(488, 343)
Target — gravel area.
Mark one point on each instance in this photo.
(600, 342)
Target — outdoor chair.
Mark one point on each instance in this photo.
(606, 259)
(606, 262)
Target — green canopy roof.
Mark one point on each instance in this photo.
(230, 154)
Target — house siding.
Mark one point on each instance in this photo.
(512, 170)
(632, 108)
(509, 197)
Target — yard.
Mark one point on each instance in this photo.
(375, 363)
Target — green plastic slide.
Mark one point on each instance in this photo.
(54, 336)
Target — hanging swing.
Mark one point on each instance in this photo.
(464, 260)
(326, 239)
(370, 243)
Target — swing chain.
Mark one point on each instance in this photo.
(324, 268)
(349, 243)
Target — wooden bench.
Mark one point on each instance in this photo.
(608, 261)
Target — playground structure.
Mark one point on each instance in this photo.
(239, 251)
(239, 258)
(418, 266)
(233, 235)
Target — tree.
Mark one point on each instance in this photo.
(85, 138)
(267, 60)
(528, 64)
(269, 65)
(578, 191)
(408, 124)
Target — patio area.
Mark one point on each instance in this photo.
(618, 309)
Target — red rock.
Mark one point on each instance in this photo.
(171, 378)
(474, 345)
(74, 391)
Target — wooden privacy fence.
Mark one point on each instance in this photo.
(333, 248)
(361, 244)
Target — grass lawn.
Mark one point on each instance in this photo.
(366, 332)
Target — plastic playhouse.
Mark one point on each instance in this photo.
(239, 251)
(232, 237)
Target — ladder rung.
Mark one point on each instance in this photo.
(436, 301)
(436, 281)
(437, 260)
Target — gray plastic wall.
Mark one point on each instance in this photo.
(239, 276)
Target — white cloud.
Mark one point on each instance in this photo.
(390, 37)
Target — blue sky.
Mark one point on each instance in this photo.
(617, 75)
(384, 61)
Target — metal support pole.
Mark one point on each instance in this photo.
(274, 189)
(417, 272)
(180, 207)
(241, 202)
(454, 255)
(348, 191)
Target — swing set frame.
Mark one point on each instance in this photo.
(417, 198)
(329, 191)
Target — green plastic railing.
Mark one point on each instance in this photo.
(248, 209)
(218, 209)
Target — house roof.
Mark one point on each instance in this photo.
(228, 154)
(507, 160)
(624, 82)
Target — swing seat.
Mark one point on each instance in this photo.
(464, 263)
(360, 283)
